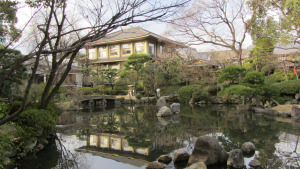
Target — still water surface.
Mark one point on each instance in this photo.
(129, 137)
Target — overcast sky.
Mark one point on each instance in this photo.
(159, 28)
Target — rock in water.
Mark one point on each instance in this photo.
(161, 102)
(181, 156)
(164, 111)
(155, 165)
(166, 159)
(236, 158)
(255, 163)
(208, 150)
(199, 165)
(175, 107)
(248, 149)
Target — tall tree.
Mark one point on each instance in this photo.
(110, 75)
(222, 23)
(289, 11)
(8, 19)
(135, 62)
(61, 35)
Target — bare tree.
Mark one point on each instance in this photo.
(59, 21)
(222, 23)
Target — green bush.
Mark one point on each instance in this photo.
(253, 79)
(290, 87)
(275, 78)
(239, 90)
(138, 96)
(213, 90)
(185, 93)
(201, 95)
(37, 123)
(172, 89)
(231, 73)
(86, 90)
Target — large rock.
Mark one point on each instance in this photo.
(297, 96)
(155, 165)
(248, 149)
(295, 111)
(175, 107)
(236, 158)
(161, 102)
(265, 111)
(199, 165)
(166, 159)
(208, 150)
(255, 163)
(164, 111)
(181, 156)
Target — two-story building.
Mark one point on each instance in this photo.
(112, 50)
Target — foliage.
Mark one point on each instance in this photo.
(86, 90)
(121, 86)
(201, 95)
(278, 76)
(37, 123)
(213, 90)
(231, 74)
(3, 109)
(110, 75)
(253, 79)
(170, 90)
(138, 96)
(6, 144)
(9, 74)
(239, 90)
(290, 87)
(153, 77)
(185, 93)
(8, 31)
(36, 91)
(135, 62)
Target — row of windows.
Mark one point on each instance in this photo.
(125, 50)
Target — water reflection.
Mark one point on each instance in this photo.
(133, 136)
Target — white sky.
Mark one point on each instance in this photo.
(159, 28)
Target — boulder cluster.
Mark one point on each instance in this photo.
(207, 152)
(164, 110)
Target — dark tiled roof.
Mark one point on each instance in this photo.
(128, 33)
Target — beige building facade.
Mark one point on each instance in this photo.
(112, 50)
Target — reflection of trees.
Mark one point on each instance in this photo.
(55, 155)
(142, 129)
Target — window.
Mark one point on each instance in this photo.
(160, 49)
(114, 50)
(126, 49)
(151, 49)
(92, 54)
(139, 47)
(102, 51)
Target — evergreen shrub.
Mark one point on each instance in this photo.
(290, 87)
(86, 90)
(185, 93)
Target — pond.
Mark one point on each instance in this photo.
(130, 137)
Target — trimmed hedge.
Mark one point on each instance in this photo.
(201, 95)
(290, 87)
(239, 90)
(185, 93)
(86, 90)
